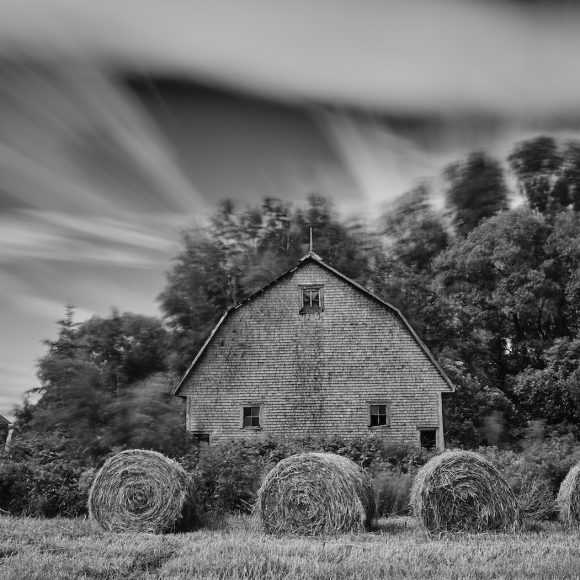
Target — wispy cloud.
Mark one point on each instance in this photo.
(46, 308)
(72, 140)
(62, 237)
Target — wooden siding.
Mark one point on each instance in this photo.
(314, 374)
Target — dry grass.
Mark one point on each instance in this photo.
(60, 549)
(568, 500)
(315, 493)
(141, 491)
(460, 491)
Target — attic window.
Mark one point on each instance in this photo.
(251, 416)
(378, 414)
(311, 299)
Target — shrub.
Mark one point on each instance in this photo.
(392, 490)
(39, 477)
(16, 481)
(536, 472)
(226, 476)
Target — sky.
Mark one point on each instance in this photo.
(123, 122)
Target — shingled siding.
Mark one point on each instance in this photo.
(314, 374)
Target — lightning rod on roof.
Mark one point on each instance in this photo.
(311, 249)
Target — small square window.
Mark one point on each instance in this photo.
(251, 417)
(311, 299)
(378, 414)
(202, 438)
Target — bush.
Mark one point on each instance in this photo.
(41, 478)
(536, 472)
(16, 481)
(392, 491)
(227, 476)
(44, 477)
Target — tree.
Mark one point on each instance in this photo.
(552, 394)
(548, 175)
(125, 347)
(514, 285)
(537, 163)
(333, 241)
(195, 295)
(414, 232)
(73, 406)
(147, 416)
(239, 253)
(71, 394)
(85, 369)
(476, 190)
(478, 414)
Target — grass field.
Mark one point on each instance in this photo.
(70, 549)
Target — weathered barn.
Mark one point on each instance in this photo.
(314, 354)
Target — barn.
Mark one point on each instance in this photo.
(313, 353)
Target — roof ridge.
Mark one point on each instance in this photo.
(318, 260)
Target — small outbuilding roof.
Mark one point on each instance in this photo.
(4, 421)
(311, 257)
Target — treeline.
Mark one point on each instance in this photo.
(491, 282)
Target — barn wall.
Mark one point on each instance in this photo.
(313, 374)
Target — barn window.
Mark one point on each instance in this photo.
(378, 414)
(311, 299)
(202, 438)
(251, 416)
(428, 438)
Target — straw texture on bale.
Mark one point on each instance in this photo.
(460, 491)
(315, 493)
(568, 499)
(142, 491)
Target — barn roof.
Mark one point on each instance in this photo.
(311, 257)
(4, 421)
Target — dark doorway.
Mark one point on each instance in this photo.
(428, 438)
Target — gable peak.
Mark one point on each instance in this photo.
(312, 254)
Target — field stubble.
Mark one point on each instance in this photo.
(233, 548)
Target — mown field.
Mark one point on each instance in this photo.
(233, 548)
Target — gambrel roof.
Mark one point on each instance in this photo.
(309, 258)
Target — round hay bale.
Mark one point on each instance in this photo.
(141, 491)
(315, 493)
(568, 500)
(461, 491)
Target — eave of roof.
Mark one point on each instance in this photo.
(311, 256)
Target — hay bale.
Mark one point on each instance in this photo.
(315, 493)
(460, 491)
(568, 500)
(141, 491)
